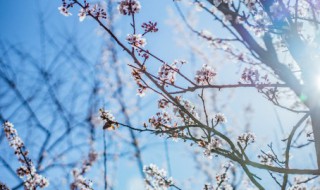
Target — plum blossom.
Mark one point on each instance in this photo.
(79, 181)
(136, 40)
(110, 122)
(167, 73)
(163, 103)
(178, 112)
(64, 11)
(128, 7)
(149, 27)
(221, 177)
(250, 75)
(220, 118)
(97, 11)
(157, 178)
(27, 170)
(162, 119)
(211, 147)
(205, 75)
(262, 23)
(246, 138)
(82, 14)
(136, 74)
(36, 181)
(304, 9)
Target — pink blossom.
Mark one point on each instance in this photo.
(128, 7)
(205, 75)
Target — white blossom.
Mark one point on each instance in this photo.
(246, 138)
(128, 7)
(82, 14)
(108, 118)
(157, 178)
(205, 75)
(27, 171)
(64, 11)
(211, 147)
(167, 74)
(136, 40)
(220, 118)
(79, 181)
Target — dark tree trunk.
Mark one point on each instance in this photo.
(315, 119)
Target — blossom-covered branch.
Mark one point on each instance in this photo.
(32, 180)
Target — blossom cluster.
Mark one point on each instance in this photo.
(220, 118)
(179, 111)
(149, 27)
(186, 104)
(86, 9)
(250, 75)
(27, 170)
(210, 147)
(136, 40)
(221, 179)
(109, 119)
(64, 8)
(162, 119)
(165, 124)
(167, 74)
(205, 75)
(246, 138)
(163, 103)
(157, 178)
(129, 7)
(136, 74)
(262, 23)
(304, 8)
(79, 181)
(96, 11)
